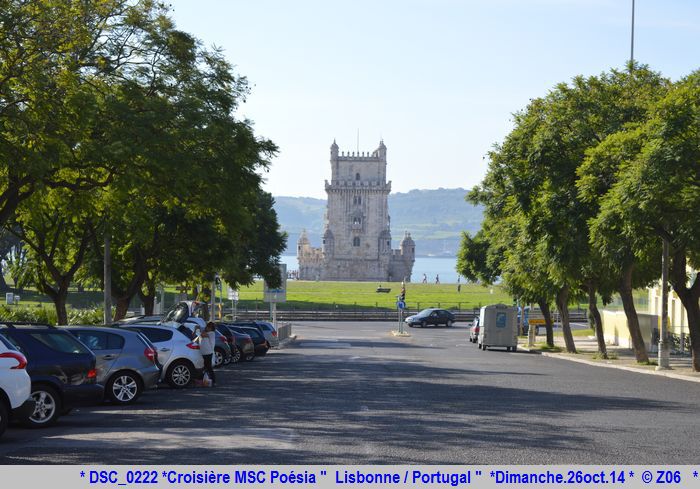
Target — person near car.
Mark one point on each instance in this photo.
(206, 345)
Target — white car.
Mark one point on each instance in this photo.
(15, 385)
(180, 357)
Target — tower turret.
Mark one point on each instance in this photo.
(408, 246)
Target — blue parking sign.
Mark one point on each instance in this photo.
(400, 305)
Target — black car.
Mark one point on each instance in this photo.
(241, 344)
(260, 344)
(61, 368)
(431, 317)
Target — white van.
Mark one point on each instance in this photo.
(498, 326)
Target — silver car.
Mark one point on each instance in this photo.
(126, 363)
(270, 333)
(180, 356)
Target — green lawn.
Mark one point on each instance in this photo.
(364, 295)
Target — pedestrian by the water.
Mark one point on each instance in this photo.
(425, 279)
(437, 279)
(206, 345)
(459, 286)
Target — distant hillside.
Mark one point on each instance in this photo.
(435, 219)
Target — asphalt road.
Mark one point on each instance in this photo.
(350, 393)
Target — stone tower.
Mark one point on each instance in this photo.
(357, 236)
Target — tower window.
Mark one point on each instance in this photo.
(356, 220)
(357, 176)
(356, 241)
(357, 200)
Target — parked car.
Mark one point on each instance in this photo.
(61, 368)
(260, 344)
(126, 363)
(474, 330)
(180, 357)
(222, 348)
(270, 333)
(15, 385)
(141, 320)
(241, 344)
(431, 317)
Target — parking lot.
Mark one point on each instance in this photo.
(350, 393)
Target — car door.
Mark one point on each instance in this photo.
(434, 318)
(105, 348)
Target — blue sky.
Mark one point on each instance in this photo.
(437, 80)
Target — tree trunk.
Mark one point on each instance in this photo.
(689, 297)
(148, 298)
(59, 296)
(3, 284)
(694, 319)
(548, 325)
(122, 307)
(597, 322)
(563, 307)
(625, 290)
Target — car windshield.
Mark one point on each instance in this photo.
(178, 313)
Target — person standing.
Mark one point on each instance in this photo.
(206, 345)
(437, 279)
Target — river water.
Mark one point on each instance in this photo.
(428, 265)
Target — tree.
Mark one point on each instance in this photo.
(658, 192)
(53, 229)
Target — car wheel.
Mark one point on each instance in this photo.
(4, 417)
(515, 348)
(179, 375)
(47, 407)
(218, 357)
(249, 357)
(123, 388)
(423, 324)
(410, 325)
(227, 359)
(449, 323)
(235, 355)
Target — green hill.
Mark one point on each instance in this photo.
(435, 219)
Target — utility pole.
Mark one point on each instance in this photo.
(663, 359)
(632, 41)
(107, 271)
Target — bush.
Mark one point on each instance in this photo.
(47, 315)
(86, 316)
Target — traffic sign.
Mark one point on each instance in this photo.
(280, 294)
(232, 294)
(400, 305)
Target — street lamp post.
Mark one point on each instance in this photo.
(663, 359)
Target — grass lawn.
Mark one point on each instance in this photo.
(363, 295)
(321, 295)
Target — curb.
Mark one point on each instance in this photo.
(607, 365)
(285, 342)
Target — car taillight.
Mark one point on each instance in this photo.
(274, 333)
(193, 346)
(92, 374)
(21, 359)
(151, 354)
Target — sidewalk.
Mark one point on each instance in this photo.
(622, 358)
